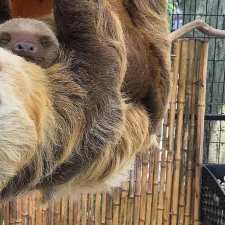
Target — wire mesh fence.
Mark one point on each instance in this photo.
(212, 12)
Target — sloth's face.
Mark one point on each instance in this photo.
(30, 39)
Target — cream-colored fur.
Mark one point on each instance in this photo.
(18, 135)
(25, 115)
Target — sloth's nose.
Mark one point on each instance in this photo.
(25, 47)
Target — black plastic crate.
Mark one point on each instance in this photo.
(212, 195)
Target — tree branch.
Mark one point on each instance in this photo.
(199, 25)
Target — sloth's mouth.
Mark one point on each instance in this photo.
(33, 59)
(36, 60)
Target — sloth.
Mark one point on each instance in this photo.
(145, 27)
(68, 126)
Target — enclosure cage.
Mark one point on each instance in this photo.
(213, 13)
(159, 190)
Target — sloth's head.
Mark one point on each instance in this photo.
(30, 39)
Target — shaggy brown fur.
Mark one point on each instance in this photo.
(148, 47)
(68, 125)
(147, 79)
(145, 27)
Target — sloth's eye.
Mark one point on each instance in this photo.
(45, 41)
(5, 38)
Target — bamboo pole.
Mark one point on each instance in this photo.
(179, 132)
(124, 202)
(181, 203)
(63, 211)
(137, 196)
(164, 140)
(32, 208)
(183, 175)
(103, 220)
(18, 211)
(83, 209)
(116, 206)
(90, 209)
(201, 85)
(76, 209)
(144, 161)
(6, 213)
(44, 214)
(109, 214)
(186, 124)
(98, 209)
(149, 191)
(191, 131)
(130, 206)
(38, 218)
(160, 207)
(155, 186)
(171, 121)
(70, 212)
(51, 213)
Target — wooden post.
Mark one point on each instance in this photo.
(179, 131)
(171, 121)
(201, 87)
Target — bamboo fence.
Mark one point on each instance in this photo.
(164, 187)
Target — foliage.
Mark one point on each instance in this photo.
(171, 7)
